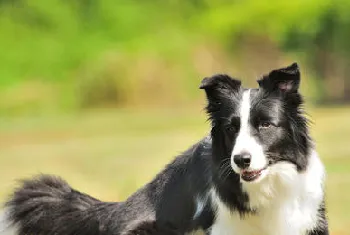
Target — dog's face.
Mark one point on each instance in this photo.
(258, 129)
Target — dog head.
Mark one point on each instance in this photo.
(258, 129)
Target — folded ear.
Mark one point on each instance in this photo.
(221, 90)
(286, 79)
(219, 85)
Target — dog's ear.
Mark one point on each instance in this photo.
(219, 86)
(221, 90)
(285, 80)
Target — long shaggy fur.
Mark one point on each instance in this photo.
(38, 205)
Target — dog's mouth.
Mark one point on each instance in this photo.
(248, 175)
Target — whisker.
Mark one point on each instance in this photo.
(229, 172)
(224, 160)
(225, 169)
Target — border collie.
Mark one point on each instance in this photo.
(257, 173)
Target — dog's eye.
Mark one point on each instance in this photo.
(264, 125)
(231, 129)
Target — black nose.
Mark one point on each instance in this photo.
(242, 160)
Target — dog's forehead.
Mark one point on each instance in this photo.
(253, 92)
(252, 96)
(246, 99)
(256, 99)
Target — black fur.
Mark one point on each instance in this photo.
(279, 97)
(152, 228)
(47, 205)
(322, 229)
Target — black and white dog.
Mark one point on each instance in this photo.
(256, 174)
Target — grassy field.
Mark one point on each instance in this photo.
(109, 154)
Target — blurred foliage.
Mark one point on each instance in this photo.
(84, 53)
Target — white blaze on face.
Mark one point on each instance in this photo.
(245, 142)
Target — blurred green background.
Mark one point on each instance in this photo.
(105, 93)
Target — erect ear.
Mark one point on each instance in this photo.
(286, 79)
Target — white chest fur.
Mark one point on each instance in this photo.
(288, 203)
(276, 221)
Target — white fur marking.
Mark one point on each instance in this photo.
(5, 227)
(245, 142)
(199, 207)
(201, 201)
(245, 111)
(200, 204)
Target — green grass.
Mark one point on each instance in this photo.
(109, 154)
